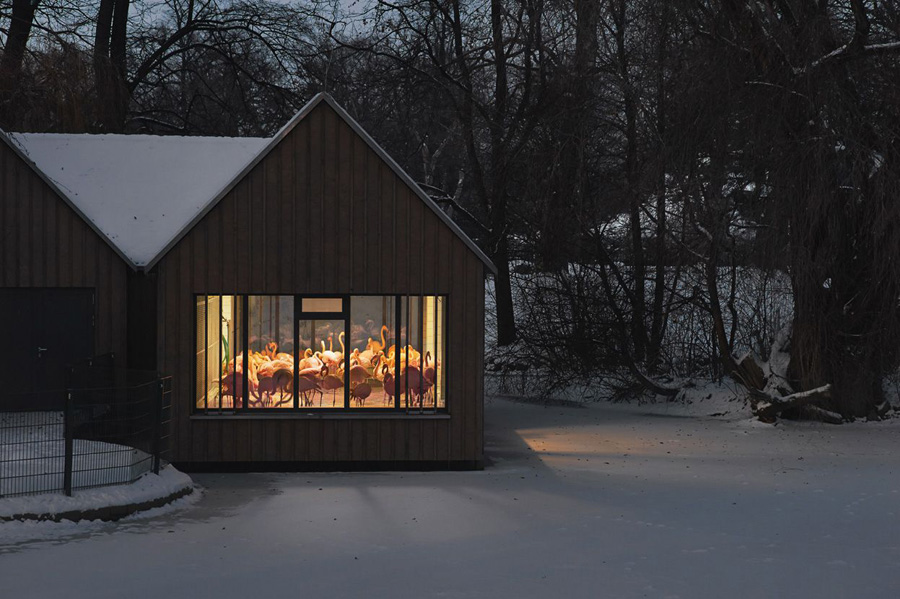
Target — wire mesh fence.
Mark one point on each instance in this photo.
(109, 427)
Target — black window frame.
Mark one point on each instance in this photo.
(399, 299)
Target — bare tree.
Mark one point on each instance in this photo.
(483, 60)
(800, 90)
(20, 23)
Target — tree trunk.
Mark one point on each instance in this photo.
(13, 55)
(658, 320)
(506, 321)
(110, 69)
(567, 190)
(639, 269)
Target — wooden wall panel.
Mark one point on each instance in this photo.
(214, 281)
(375, 225)
(359, 216)
(8, 223)
(330, 201)
(315, 229)
(270, 229)
(36, 232)
(51, 231)
(300, 235)
(322, 213)
(386, 270)
(286, 173)
(344, 440)
(182, 341)
(385, 440)
(473, 355)
(401, 278)
(343, 224)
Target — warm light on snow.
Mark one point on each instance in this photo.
(659, 500)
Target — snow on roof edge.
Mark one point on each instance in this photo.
(20, 152)
(137, 190)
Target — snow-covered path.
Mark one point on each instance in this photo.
(599, 502)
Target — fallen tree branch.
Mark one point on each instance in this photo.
(647, 383)
(822, 415)
(767, 407)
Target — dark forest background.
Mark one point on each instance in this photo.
(670, 189)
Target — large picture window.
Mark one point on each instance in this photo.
(303, 353)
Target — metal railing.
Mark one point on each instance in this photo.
(109, 427)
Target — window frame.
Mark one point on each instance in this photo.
(295, 410)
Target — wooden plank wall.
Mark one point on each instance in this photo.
(320, 214)
(46, 244)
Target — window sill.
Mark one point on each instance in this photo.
(323, 416)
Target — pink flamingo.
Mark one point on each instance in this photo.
(265, 389)
(233, 385)
(358, 375)
(307, 387)
(387, 380)
(330, 383)
(283, 379)
(360, 393)
(429, 372)
(418, 385)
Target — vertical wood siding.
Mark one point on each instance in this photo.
(44, 243)
(319, 215)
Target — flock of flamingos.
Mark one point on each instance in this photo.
(270, 375)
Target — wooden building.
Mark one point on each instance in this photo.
(316, 309)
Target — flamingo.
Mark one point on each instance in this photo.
(360, 393)
(307, 387)
(283, 380)
(264, 390)
(367, 358)
(358, 375)
(233, 385)
(429, 371)
(331, 358)
(418, 384)
(310, 364)
(408, 356)
(364, 359)
(373, 345)
(330, 383)
(390, 389)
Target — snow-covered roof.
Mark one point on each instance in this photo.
(139, 190)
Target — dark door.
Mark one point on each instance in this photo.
(17, 345)
(42, 333)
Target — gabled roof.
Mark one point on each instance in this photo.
(308, 108)
(144, 193)
(138, 190)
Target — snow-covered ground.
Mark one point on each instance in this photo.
(148, 488)
(648, 500)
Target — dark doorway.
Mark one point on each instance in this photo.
(42, 333)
